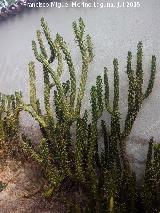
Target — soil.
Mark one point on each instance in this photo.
(23, 191)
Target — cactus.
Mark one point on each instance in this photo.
(151, 186)
(56, 122)
(9, 126)
(71, 108)
(58, 153)
(136, 97)
(114, 153)
(9, 115)
(103, 176)
(135, 94)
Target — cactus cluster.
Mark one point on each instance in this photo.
(151, 186)
(56, 122)
(9, 123)
(9, 115)
(69, 149)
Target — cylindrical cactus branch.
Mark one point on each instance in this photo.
(71, 108)
(49, 39)
(87, 56)
(81, 140)
(136, 96)
(9, 115)
(151, 184)
(106, 92)
(32, 86)
(139, 77)
(130, 117)
(99, 88)
(56, 123)
(115, 119)
(71, 69)
(78, 158)
(152, 78)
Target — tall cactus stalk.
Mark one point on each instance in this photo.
(56, 122)
(9, 115)
(113, 158)
(58, 47)
(115, 122)
(151, 194)
(135, 94)
(136, 97)
(9, 126)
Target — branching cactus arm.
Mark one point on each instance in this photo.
(58, 44)
(139, 77)
(71, 68)
(49, 39)
(60, 67)
(135, 94)
(41, 44)
(91, 164)
(35, 50)
(87, 56)
(81, 146)
(47, 91)
(47, 86)
(54, 47)
(55, 53)
(37, 117)
(106, 89)
(99, 88)
(152, 78)
(55, 77)
(131, 114)
(34, 112)
(115, 117)
(9, 116)
(64, 103)
(32, 86)
(89, 48)
(94, 105)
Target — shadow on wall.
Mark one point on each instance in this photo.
(137, 149)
